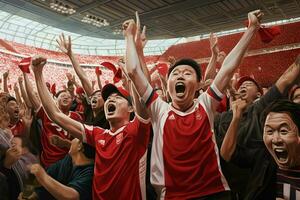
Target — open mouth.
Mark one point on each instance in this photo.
(94, 101)
(111, 108)
(281, 154)
(243, 92)
(180, 88)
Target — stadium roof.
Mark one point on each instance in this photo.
(168, 22)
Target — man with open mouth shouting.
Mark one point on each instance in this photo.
(120, 162)
(282, 139)
(185, 160)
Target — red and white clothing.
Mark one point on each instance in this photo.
(50, 153)
(17, 129)
(185, 160)
(120, 163)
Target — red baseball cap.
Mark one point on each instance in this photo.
(109, 89)
(248, 78)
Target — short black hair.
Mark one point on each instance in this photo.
(189, 62)
(283, 106)
(61, 91)
(89, 151)
(11, 98)
(96, 91)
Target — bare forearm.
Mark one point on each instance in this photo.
(133, 67)
(99, 82)
(24, 95)
(233, 60)
(86, 84)
(18, 96)
(288, 78)
(68, 124)
(31, 96)
(229, 143)
(140, 109)
(58, 190)
(210, 71)
(5, 86)
(143, 64)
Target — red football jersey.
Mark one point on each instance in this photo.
(185, 160)
(50, 153)
(120, 163)
(18, 128)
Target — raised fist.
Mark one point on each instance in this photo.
(38, 62)
(129, 28)
(254, 18)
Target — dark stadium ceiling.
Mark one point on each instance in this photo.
(164, 18)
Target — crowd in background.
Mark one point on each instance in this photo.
(191, 135)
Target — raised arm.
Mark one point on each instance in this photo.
(5, 80)
(234, 58)
(210, 71)
(230, 140)
(133, 66)
(66, 47)
(140, 42)
(36, 104)
(68, 124)
(24, 93)
(17, 94)
(289, 77)
(55, 188)
(98, 75)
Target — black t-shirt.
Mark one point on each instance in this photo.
(77, 177)
(250, 181)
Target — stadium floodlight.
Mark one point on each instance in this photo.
(61, 7)
(94, 20)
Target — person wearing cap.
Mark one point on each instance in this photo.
(49, 153)
(253, 181)
(248, 89)
(120, 151)
(185, 160)
(68, 178)
(295, 94)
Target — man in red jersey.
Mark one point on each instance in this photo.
(16, 125)
(50, 153)
(185, 161)
(120, 151)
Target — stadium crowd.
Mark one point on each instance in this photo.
(187, 135)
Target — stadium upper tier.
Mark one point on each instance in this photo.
(37, 34)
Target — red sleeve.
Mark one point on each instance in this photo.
(151, 98)
(76, 116)
(90, 133)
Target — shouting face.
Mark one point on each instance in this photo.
(248, 91)
(117, 107)
(281, 137)
(182, 85)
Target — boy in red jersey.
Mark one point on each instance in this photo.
(185, 162)
(120, 152)
(50, 153)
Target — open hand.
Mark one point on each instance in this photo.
(65, 45)
(140, 38)
(213, 41)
